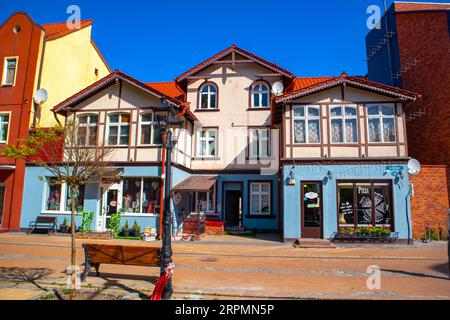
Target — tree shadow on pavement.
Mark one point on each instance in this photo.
(417, 274)
(26, 275)
(117, 284)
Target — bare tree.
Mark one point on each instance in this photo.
(64, 152)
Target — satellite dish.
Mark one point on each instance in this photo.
(278, 88)
(413, 166)
(40, 96)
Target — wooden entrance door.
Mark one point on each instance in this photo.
(311, 208)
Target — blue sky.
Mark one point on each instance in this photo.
(158, 40)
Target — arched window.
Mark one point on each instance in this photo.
(118, 129)
(344, 124)
(87, 130)
(260, 95)
(151, 132)
(381, 123)
(208, 96)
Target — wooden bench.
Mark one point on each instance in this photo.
(97, 254)
(43, 223)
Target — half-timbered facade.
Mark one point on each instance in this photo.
(259, 149)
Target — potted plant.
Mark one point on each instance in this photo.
(64, 227)
(126, 230)
(136, 231)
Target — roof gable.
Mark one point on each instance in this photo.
(238, 51)
(106, 82)
(58, 30)
(305, 88)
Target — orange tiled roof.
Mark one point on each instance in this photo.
(305, 82)
(57, 30)
(170, 89)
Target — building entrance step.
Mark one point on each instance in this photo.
(313, 243)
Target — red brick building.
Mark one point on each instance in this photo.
(412, 51)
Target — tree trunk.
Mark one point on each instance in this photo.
(73, 260)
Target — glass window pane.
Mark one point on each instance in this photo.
(382, 204)
(265, 204)
(351, 131)
(124, 134)
(114, 118)
(92, 136)
(265, 99)
(132, 195)
(388, 111)
(346, 210)
(148, 117)
(374, 130)
(146, 131)
(265, 187)
(93, 120)
(350, 111)
(364, 202)
(299, 131)
(255, 208)
(389, 129)
(373, 111)
(151, 196)
(212, 89)
(82, 136)
(212, 148)
(256, 101)
(255, 187)
(79, 200)
(336, 131)
(157, 135)
(313, 112)
(299, 112)
(82, 120)
(314, 131)
(212, 103)
(53, 195)
(337, 111)
(112, 137)
(204, 101)
(125, 118)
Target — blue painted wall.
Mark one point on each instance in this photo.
(292, 201)
(35, 192)
(270, 224)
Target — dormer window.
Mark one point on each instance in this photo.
(208, 97)
(260, 95)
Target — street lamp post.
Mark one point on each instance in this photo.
(166, 247)
(166, 250)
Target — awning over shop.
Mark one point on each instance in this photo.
(196, 183)
(112, 172)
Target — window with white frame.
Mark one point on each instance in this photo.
(344, 124)
(9, 71)
(141, 195)
(118, 129)
(205, 201)
(59, 197)
(306, 124)
(381, 123)
(208, 96)
(151, 132)
(260, 95)
(207, 143)
(260, 202)
(87, 130)
(4, 127)
(259, 143)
